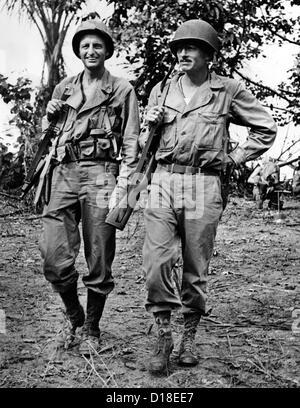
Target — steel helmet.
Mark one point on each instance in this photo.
(93, 26)
(196, 30)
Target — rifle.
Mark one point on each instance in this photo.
(119, 216)
(45, 174)
(38, 161)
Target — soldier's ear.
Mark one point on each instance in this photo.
(211, 61)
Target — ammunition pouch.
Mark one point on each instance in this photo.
(98, 143)
(98, 146)
(105, 145)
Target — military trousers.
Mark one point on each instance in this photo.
(181, 209)
(80, 191)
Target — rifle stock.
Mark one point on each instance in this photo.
(33, 179)
(119, 215)
(44, 173)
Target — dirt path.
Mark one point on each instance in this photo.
(250, 339)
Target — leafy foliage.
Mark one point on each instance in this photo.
(18, 95)
(52, 18)
(143, 29)
(11, 168)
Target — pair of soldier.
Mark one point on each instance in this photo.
(96, 154)
(266, 179)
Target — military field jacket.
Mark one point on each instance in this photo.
(123, 112)
(196, 134)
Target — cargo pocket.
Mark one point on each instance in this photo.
(168, 133)
(209, 129)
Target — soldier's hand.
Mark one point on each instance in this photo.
(155, 115)
(54, 106)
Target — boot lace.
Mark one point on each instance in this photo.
(188, 344)
(164, 342)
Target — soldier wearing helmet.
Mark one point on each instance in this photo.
(185, 201)
(266, 180)
(97, 146)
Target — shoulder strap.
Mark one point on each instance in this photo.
(164, 93)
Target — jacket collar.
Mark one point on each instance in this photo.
(174, 98)
(100, 95)
(215, 81)
(201, 97)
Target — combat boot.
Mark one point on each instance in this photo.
(75, 314)
(164, 345)
(91, 333)
(187, 356)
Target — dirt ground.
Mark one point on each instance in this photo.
(249, 340)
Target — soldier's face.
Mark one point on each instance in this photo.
(92, 51)
(191, 57)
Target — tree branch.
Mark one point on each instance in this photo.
(46, 25)
(288, 148)
(271, 106)
(274, 31)
(284, 38)
(10, 196)
(235, 58)
(30, 11)
(261, 85)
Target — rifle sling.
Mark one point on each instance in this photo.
(150, 141)
(44, 142)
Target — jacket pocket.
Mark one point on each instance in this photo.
(209, 130)
(168, 132)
